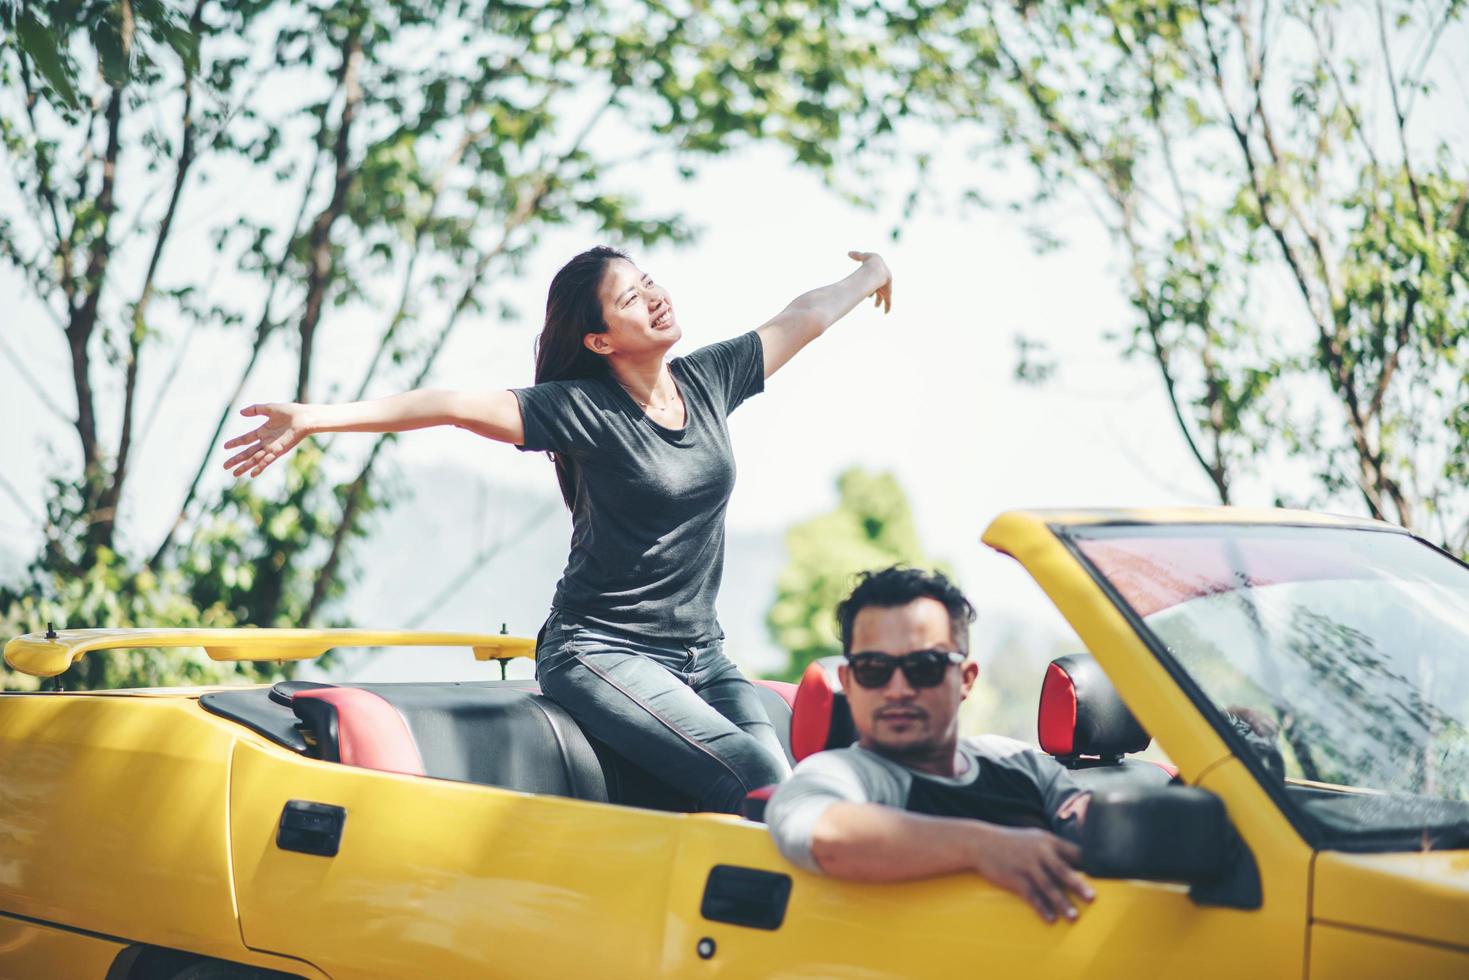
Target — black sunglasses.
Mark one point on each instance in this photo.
(922, 668)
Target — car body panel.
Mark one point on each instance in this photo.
(148, 794)
(1355, 954)
(54, 652)
(1423, 896)
(1077, 517)
(1145, 685)
(100, 797)
(1271, 936)
(953, 926)
(113, 832)
(30, 949)
(440, 878)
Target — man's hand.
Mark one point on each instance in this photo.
(1036, 865)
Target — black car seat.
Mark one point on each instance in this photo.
(498, 733)
(1083, 723)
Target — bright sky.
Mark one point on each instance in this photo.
(926, 391)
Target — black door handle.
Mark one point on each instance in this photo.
(311, 828)
(746, 897)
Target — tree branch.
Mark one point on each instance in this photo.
(43, 169)
(319, 253)
(355, 491)
(84, 316)
(1340, 376)
(113, 494)
(481, 558)
(1162, 357)
(1255, 66)
(264, 328)
(526, 208)
(1341, 93)
(1213, 388)
(1401, 119)
(1404, 332)
(1414, 76)
(405, 295)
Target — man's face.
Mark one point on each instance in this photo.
(899, 720)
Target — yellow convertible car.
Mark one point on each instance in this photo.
(1307, 676)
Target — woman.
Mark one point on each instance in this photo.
(632, 648)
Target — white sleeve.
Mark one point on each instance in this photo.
(818, 782)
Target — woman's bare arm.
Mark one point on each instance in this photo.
(809, 314)
(494, 415)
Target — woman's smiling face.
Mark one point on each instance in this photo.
(638, 312)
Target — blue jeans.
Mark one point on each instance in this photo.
(684, 713)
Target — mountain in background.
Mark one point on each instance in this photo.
(461, 553)
(12, 565)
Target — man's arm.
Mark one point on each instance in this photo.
(832, 815)
(871, 842)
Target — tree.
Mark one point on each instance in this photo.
(1292, 225)
(870, 528)
(393, 160)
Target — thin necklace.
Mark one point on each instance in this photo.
(647, 405)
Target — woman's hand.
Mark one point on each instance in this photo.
(285, 425)
(882, 294)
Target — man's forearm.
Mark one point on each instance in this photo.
(867, 842)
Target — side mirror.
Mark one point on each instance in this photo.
(1170, 833)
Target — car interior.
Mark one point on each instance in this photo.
(507, 734)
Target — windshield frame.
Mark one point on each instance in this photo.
(1316, 834)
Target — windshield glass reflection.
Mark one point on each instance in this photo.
(1339, 656)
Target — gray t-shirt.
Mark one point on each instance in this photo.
(1006, 782)
(647, 538)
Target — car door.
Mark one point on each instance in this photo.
(375, 874)
(960, 925)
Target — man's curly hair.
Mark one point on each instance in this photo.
(896, 586)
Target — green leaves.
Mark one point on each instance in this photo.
(374, 162)
(122, 39)
(45, 48)
(1293, 250)
(871, 527)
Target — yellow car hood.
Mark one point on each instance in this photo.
(1421, 895)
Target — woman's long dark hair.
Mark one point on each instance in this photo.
(573, 310)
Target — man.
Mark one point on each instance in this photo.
(911, 799)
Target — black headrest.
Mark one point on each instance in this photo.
(1082, 714)
(284, 691)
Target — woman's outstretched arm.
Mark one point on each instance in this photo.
(809, 314)
(494, 415)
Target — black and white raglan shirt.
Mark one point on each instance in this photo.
(1004, 782)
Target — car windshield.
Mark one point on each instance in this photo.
(1339, 657)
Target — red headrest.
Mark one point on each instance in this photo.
(820, 718)
(359, 728)
(1081, 712)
